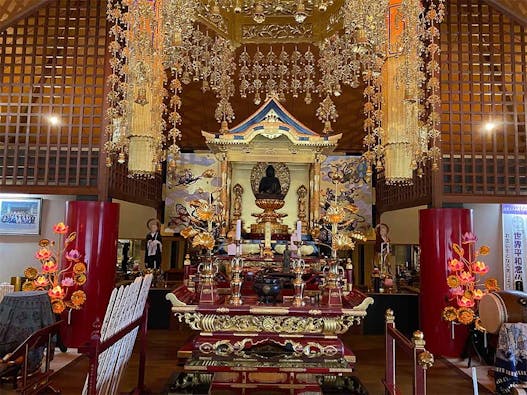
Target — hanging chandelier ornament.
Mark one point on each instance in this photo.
(401, 86)
(144, 32)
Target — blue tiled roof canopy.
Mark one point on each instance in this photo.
(260, 115)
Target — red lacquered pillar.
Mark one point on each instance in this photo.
(97, 226)
(438, 229)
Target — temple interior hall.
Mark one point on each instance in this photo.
(254, 197)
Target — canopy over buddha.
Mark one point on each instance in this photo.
(271, 131)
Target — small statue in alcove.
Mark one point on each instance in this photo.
(153, 244)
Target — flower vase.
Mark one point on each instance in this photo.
(207, 270)
(333, 289)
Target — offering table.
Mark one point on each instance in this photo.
(259, 348)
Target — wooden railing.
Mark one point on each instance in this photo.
(422, 359)
(96, 346)
(18, 362)
(110, 346)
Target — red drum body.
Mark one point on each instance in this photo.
(499, 307)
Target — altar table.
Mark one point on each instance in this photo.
(268, 347)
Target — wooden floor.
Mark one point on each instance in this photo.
(369, 350)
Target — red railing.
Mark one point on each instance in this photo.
(96, 346)
(17, 362)
(422, 359)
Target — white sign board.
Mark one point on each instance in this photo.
(514, 220)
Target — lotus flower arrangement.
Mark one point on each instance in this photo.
(206, 218)
(60, 277)
(340, 216)
(464, 280)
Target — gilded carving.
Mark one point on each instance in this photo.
(226, 348)
(287, 7)
(272, 324)
(237, 191)
(277, 32)
(425, 359)
(302, 205)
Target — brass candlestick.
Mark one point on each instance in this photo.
(299, 266)
(333, 274)
(236, 278)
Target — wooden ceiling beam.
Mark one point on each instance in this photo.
(26, 11)
(518, 14)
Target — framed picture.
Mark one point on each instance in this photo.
(20, 216)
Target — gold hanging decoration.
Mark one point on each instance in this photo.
(158, 47)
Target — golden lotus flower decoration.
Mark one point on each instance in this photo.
(188, 232)
(204, 240)
(342, 241)
(352, 208)
(334, 215)
(30, 273)
(205, 212)
(62, 271)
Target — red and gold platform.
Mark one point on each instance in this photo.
(267, 348)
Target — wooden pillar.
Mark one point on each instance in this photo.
(97, 226)
(438, 229)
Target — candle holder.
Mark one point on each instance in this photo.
(299, 267)
(349, 276)
(207, 270)
(236, 278)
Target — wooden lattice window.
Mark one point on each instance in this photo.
(52, 63)
(483, 79)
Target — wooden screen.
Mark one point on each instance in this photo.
(141, 191)
(483, 79)
(390, 197)
(52, 63)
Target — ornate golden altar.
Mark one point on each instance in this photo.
(258, 347)
(270, 136)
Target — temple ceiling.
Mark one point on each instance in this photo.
(11, 10)
(198, 107)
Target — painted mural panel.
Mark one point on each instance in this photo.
(354, 189)
(187, 184)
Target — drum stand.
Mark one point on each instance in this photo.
(476, 343)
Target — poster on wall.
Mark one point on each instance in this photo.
(20, 216)
(514, 220)
(354, 189)
(186, 184)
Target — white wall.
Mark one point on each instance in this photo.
(404, 225)
(17, 252)
(488, 228)
(404, 229)
(133, 218)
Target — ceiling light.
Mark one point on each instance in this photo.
(54, 120)
(490, 126)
